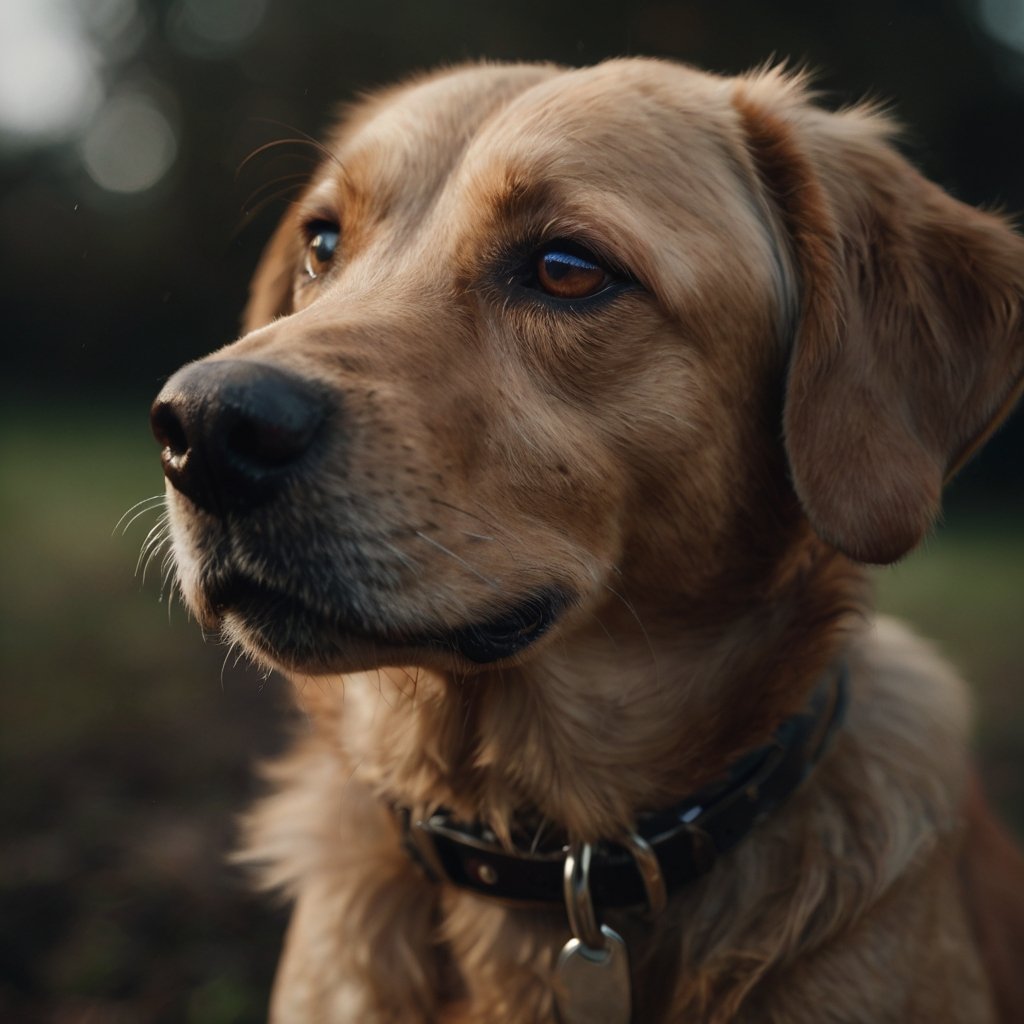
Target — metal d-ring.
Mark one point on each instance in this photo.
(647, 865)
(579, 905)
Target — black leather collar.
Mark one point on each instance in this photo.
(686, 839)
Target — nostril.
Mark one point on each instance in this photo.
(167, 429)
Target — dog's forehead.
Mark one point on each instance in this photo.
(408, 142)
(605, 121)
(638, 92)
(411, 136)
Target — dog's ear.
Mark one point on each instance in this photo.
(270, 292)
(909, 348)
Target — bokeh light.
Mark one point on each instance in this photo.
(213, 28)
(49, 72)
(130, 146)
(117, 26)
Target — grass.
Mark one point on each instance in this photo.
(126, 744)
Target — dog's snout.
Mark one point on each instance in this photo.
(232, 431)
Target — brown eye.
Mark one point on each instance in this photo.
(323, 241)
(567, 275)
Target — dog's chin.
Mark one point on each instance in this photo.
(287, 633)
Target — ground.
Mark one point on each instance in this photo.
(127, 744)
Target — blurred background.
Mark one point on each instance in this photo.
(135, 194)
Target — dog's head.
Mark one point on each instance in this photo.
(538, 342)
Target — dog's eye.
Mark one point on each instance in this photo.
(566, 273)
(323, 241)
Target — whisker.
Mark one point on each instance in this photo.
(141, 512)
(152, 554)
(491, 526)
(145, 501)
(246, 217)
(301, 139)
(167, 567)
(472, 515)
(304, 147)
(147, 554)
(632, 611)
(451, 554)
(153, 501)
(168, 562)
(275, 189)
(156, 533)
(407, 560)
(224, 663)
(266, 147)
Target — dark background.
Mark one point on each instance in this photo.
(134, 197)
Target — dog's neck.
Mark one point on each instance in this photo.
(629, 714)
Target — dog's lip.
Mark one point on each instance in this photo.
(491, 639)
(501, 636)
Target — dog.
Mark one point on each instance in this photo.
(569, 408)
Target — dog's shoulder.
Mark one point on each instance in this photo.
(901, 764)
(906, 692)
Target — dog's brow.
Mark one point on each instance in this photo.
(518, 195)
(519, 206)
(326, 194)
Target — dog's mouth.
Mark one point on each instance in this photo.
(289, 630)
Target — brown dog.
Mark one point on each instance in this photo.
(570, 402)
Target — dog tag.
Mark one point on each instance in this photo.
(593, 984)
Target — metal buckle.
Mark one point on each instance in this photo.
(649, 868)
(579, 906)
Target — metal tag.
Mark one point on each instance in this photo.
(592, 985)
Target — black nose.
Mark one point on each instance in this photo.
(233, 431)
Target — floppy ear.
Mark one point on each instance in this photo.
(909, 348)
(270, 293)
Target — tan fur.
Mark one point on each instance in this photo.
(817, 340)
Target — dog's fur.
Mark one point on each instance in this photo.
(810, 340)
